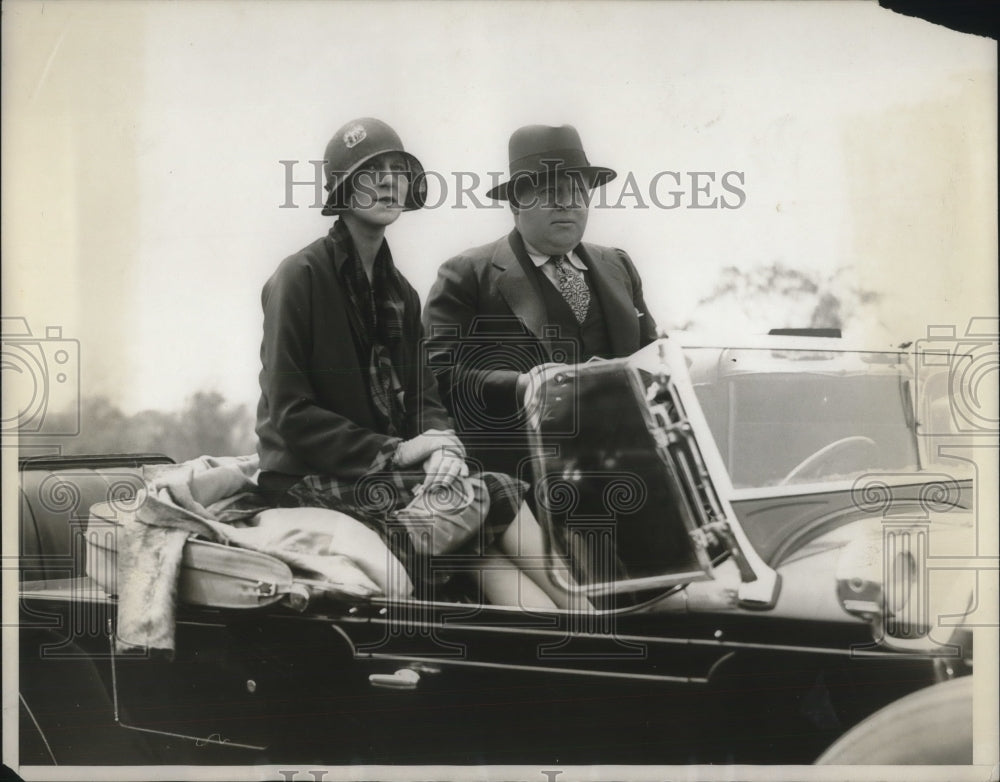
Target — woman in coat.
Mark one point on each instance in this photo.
(349, 416)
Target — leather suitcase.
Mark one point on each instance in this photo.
(211, 574)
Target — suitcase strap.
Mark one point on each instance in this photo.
(295, 595)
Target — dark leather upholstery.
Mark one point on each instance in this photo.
(55, 500)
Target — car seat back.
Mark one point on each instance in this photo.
(56, 494)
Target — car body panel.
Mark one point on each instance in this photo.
(778, 619)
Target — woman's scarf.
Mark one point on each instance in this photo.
(376, 314)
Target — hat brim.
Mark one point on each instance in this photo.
(416, 196)
(595, 176)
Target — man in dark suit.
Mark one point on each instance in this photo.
(536, 296)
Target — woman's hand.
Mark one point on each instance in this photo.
(446, 486)
(418, 450)
(443, 468)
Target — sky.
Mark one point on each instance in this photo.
(143, 189)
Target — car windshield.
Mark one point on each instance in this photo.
(782, 417)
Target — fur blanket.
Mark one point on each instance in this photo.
(215, 498)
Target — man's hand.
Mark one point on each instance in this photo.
(417, 449)
(528, 381)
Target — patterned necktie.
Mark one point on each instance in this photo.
(573, 287)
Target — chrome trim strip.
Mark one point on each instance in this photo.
(38, 727)
(724, 644)
(559, 633)
(719, 662)
(117, 716)
(849, 652)
(807, 489)
(200, 624)
(96, 595)
(758, 587)
(198, 741)
(343, 634)
(542, 669)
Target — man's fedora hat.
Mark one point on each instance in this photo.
(536, 151)
(355, 144)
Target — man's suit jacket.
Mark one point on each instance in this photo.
(486, 322)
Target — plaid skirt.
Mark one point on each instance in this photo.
(381, 500)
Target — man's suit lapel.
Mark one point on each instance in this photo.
(521, 293)
(517, 288)
(619, 312)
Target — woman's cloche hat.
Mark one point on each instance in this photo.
(356, 143)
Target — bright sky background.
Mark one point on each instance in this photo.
(141, 182)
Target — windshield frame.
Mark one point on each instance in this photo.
(711, 363)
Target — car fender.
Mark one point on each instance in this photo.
(931, 726)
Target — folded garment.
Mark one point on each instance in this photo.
(331, 545)
(215, 498)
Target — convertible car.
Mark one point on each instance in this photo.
(766, 548)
